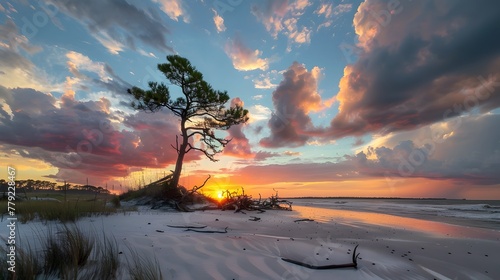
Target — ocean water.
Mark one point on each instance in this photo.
(474, 213)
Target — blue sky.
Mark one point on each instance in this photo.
(363, 98)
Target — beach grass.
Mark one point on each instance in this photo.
(154, 190)
(68, 211)
(68, 252)
(142, 267)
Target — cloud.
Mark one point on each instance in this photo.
(281, 16)
(18, 69)
(412, 70)
(259, 113)
(80, 66)
(271, 15)
(328, 11)
(443, 161)
(264, 83)
(341, 8)
(84, 138)
(243, 58)
(293, 33)
(294, 98)
(266, 80)
(240, 146)
(174, 9)
(442, 151)
(219, 22)
(117, 24)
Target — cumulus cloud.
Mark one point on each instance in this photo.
(244, 58)
(420, 62)
(82, 137)
(294, 98)
(117, 24)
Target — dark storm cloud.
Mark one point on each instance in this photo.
(417, 62)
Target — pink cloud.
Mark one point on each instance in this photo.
(294, 98)
(82, 137)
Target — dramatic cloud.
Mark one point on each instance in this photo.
(219, 22)
(243, 58)
(420, 62)
(294, 98)
(84, 138)
(174, 9)
(118, 24)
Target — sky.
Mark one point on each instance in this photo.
(374, 98)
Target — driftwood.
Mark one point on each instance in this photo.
(238, 202)
(254, 219)
(186, 226)
(207, 231)
(304, 220)
(354, 263)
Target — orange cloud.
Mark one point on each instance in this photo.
(243, 58)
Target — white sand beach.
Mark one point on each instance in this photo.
(390, 247)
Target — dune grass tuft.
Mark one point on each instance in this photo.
(141, 267)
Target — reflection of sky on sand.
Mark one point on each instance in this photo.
(359, 219)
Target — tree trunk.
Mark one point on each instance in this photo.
(180, 157)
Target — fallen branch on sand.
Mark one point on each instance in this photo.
(254, 219)
(207, 231)
(304, 220)
(332, 266)
(186, 226)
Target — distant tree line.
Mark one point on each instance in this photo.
(39, 185)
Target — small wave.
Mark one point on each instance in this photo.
(476, 208)
(487, 206)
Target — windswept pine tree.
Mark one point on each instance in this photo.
(200, 108)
